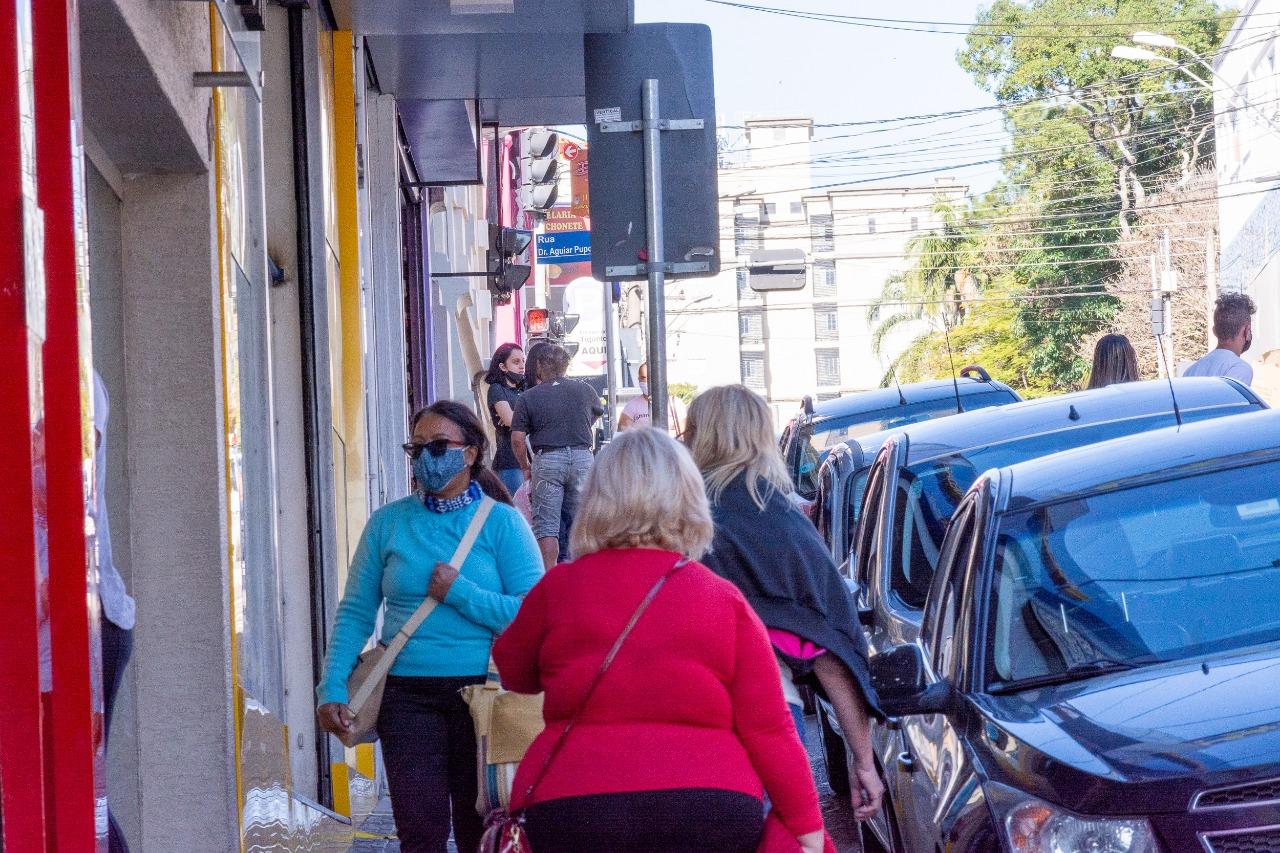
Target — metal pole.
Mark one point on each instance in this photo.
(611, 364)
(650, 114)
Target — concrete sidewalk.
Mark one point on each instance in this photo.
(378, 832)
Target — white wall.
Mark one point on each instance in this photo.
(1247, 103)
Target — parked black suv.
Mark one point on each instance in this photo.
(923, 471)
(1099, 660)
(818, 428)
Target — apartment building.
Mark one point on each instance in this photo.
(810, 342)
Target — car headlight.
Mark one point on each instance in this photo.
(1034, 826)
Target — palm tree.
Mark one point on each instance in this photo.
(931, 288)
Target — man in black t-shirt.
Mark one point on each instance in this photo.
(556, 416)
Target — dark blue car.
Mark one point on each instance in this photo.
(1098, 666)
(818, 428)
(923, 471)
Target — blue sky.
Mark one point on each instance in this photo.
(769, 65)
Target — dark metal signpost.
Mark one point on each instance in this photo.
(677, 196)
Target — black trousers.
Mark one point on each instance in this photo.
(117, 648)
(429, 749)
(677, 821)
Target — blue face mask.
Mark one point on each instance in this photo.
(433, 473)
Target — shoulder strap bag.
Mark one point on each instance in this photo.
(369, 678)
(504, 832)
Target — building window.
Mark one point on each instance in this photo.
(915, 223)
(770, 208)
(828, 364)
(825, 323)
(797, 207)
(746, 234)
(822, 232)
(824, 279)
(751, 327)
(753, 370)
(824, 396)
(745, 293)
(871, 225)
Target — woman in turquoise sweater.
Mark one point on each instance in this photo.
(428, 744)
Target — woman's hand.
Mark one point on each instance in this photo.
(867, 790)
(812, 842)
(441, 581)
(335, 718)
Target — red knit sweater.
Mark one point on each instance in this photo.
(693, 699)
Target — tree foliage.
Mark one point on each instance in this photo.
(1092, 140)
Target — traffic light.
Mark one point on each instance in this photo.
(539, 169)
(506, 245)
(562, 324)
(536, 322)
(554, 326)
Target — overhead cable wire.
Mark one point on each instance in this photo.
(995, 30)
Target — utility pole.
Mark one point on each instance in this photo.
(1164, 283)
(1210, 289)
(656, 262)
(610, 360)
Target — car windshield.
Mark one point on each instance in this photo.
(830, 432)
(1157, 572)
(928, 493)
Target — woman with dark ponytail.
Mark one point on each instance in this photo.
(428, 742)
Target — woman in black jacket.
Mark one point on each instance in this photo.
(766, 547)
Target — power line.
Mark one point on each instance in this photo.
(1079, 96)
(1055, 26)
(888, 176)
(986, 142)
(921, 303)
(993, 30)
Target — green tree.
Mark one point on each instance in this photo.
(1080, 118)
(1091, 138)
(683, 390)
(930, 289)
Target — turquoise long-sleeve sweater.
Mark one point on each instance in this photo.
(397, 553)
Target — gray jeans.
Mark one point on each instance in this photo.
(558, 477)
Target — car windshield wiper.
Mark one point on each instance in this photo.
(1075, 672)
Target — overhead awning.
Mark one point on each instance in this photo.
(522, 60)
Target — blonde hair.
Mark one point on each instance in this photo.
(730, 433)
(643, 492)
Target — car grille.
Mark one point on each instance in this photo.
(1249, 841)
(1239, 795)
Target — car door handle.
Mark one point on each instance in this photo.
(906, 763)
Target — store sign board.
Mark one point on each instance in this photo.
(565, 246)
(562, 219)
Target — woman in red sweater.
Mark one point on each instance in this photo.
(688, 728)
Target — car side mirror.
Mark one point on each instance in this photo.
(901, 681)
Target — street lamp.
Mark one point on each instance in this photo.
(1160, 40)
(1141, 54)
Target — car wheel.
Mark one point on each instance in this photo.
(833, 754)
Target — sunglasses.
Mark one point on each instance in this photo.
(436, 448)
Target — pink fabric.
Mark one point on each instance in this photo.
(794, 647)
(521, 502)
